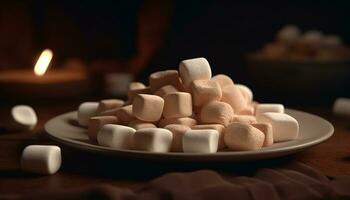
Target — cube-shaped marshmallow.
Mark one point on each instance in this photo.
(162, 78)
(194, 69)
(147, 107)
(177, 104)
(153, 139)
(216, 112)
(85, 111)
(218, 127)
(116, 136)
(200, 141)
(233, 96)
(178, 132)
(204, 91)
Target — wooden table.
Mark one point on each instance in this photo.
(81, 168)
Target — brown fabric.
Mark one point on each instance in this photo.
(296, 181)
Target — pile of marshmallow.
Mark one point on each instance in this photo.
(187, 111)
(292, 44)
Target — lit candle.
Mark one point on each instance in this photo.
(43, 82)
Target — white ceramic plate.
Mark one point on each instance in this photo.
(313, 130)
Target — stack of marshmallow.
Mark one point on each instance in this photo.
(187, 111)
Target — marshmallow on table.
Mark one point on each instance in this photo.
(177, 104)
(116, 136)
(222, 80)
(204, 91)
(248, 119)
(284, 127)
(246, 91)
(85, 111)
(200, 141)
(216, 112)
(178, 132)
(194, 69)
(268, 107)
(138, 124)
(187, 121)
(218, 127)
(41, 159)
(233, 96)
(162, 78)
(167, 89)
(267, 130)
(243, 137)
(22, 117)
(341, 106)
(153, 139)
(108, 104)
(147, 107)
(125, 114)
(96, 123)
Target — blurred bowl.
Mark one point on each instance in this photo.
(306, 81)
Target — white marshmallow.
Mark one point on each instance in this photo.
(243, 137)
(187, 121)
(116, 136)
(23, 117)
(233, 96)
(194, 69)
(216, 112)
(288, 34)
(85, 111)
(284, 127)
(41, 159)
(177, 104)
(223, 80)
(147, 107)
(153, 139)
(268, 107)
(342, 106)
(178, 132)
(204, 91)
(247, 92)
(200, 141)
(96, 123)
(267, 130)
(162, 78)
(218, 127)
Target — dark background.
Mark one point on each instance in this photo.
(145, 36)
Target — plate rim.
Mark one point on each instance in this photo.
(265, 153)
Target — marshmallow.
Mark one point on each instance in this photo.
(23, 117)
(284, 127)
(247, 119)
(249, 110)
(200, 141)
(165, 90)
(137, 124)
(216, 112)
(133, 92)
(233, 96)
(267, 130)
(194, 69)
(342, 106)
(96, 123)
(153, 139)
(243, 137)
(218, 127)
(246, 91)
(116, 136)
(125, 114)
(204, 91)
(178, 132)
(147, 107)
(41, 159)
(178, 104)
(86, 111)
(222, 80)
(288, 34)
(268, 107)
(108, 104)
(162, 78)
(187, 121)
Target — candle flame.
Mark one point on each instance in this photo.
(43, 62)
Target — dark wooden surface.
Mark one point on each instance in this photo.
(81, 168)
